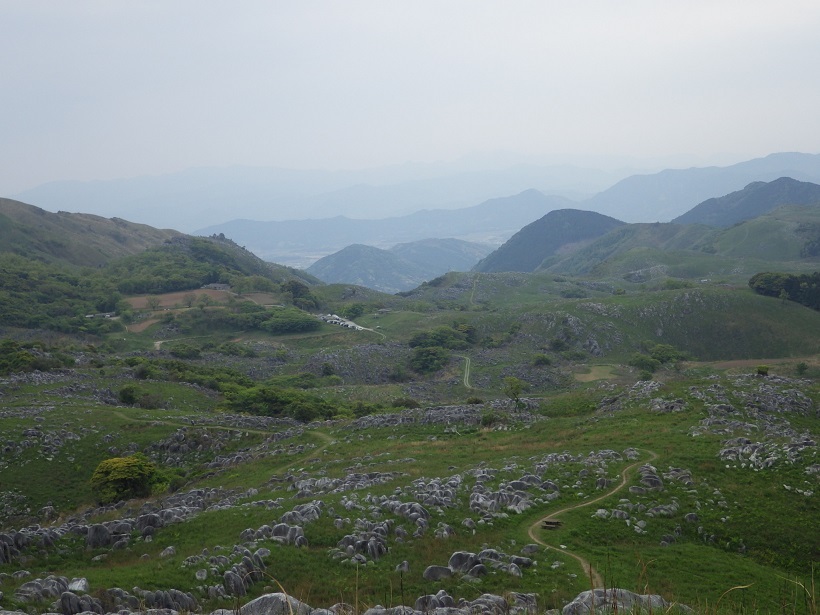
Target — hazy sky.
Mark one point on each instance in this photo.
(98, 89)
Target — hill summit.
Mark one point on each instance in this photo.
(559, 231)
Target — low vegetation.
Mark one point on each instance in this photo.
(452, 419)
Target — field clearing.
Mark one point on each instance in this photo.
(752, 363)
(169, 300)
(596, 372)
(142, 325)
(261, 298)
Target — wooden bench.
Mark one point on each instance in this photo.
(549, 524)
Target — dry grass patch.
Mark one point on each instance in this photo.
(177, 299)
(595, 372)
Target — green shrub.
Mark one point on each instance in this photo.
(398, 374)
(405, 402)
(675, 284)
(573, 293)
(150, 401)
(559, 344)
(762, 370)
(444, 336)
(128, 394)
(353, 311)
(185, 351)
(236, 350)
(488, 419)
(426, 360)
(665, 353)
(644, 362)
(122, 478)
(541, 360)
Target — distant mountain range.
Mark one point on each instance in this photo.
(204, 197)
(201, 198)
(661, 197)
(686, 196)
(577, 242)
(763, 231)
(747, 229)
(301, 242)
(402, 267)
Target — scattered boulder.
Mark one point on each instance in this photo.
(620, 600)
(437, 573)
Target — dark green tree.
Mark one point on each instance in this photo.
(429, 359)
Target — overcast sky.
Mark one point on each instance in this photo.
(100, 89)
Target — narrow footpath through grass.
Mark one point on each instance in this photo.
(595, 578)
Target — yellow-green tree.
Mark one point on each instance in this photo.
(122, 478)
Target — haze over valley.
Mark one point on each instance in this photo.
(408, 308)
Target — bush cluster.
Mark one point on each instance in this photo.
(123, 478)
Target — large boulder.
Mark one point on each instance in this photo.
(275, 604)
(98, 536)
(620, 600)
(462, 561)
(437, 573)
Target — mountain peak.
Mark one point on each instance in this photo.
(559, 230)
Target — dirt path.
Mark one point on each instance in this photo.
(595, 578)
(158, 344)
(467, 364)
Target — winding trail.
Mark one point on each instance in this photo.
(472, 294)
(595, 578)
(467, 364)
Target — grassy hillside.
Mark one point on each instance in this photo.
(76, 239)
(371, 267)
(786, 239)
(671, 425)
(702, 517)
(789, 233)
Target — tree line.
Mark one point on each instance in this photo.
(801, 288)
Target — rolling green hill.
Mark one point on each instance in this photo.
(788, 233)
(787, 238)
(57, 295)
(76, 239)
(371, 267)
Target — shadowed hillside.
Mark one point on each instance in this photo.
(560, 231)
(754, 200)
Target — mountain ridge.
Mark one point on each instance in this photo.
(755, 199)
(301, 242)
(660, 197)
